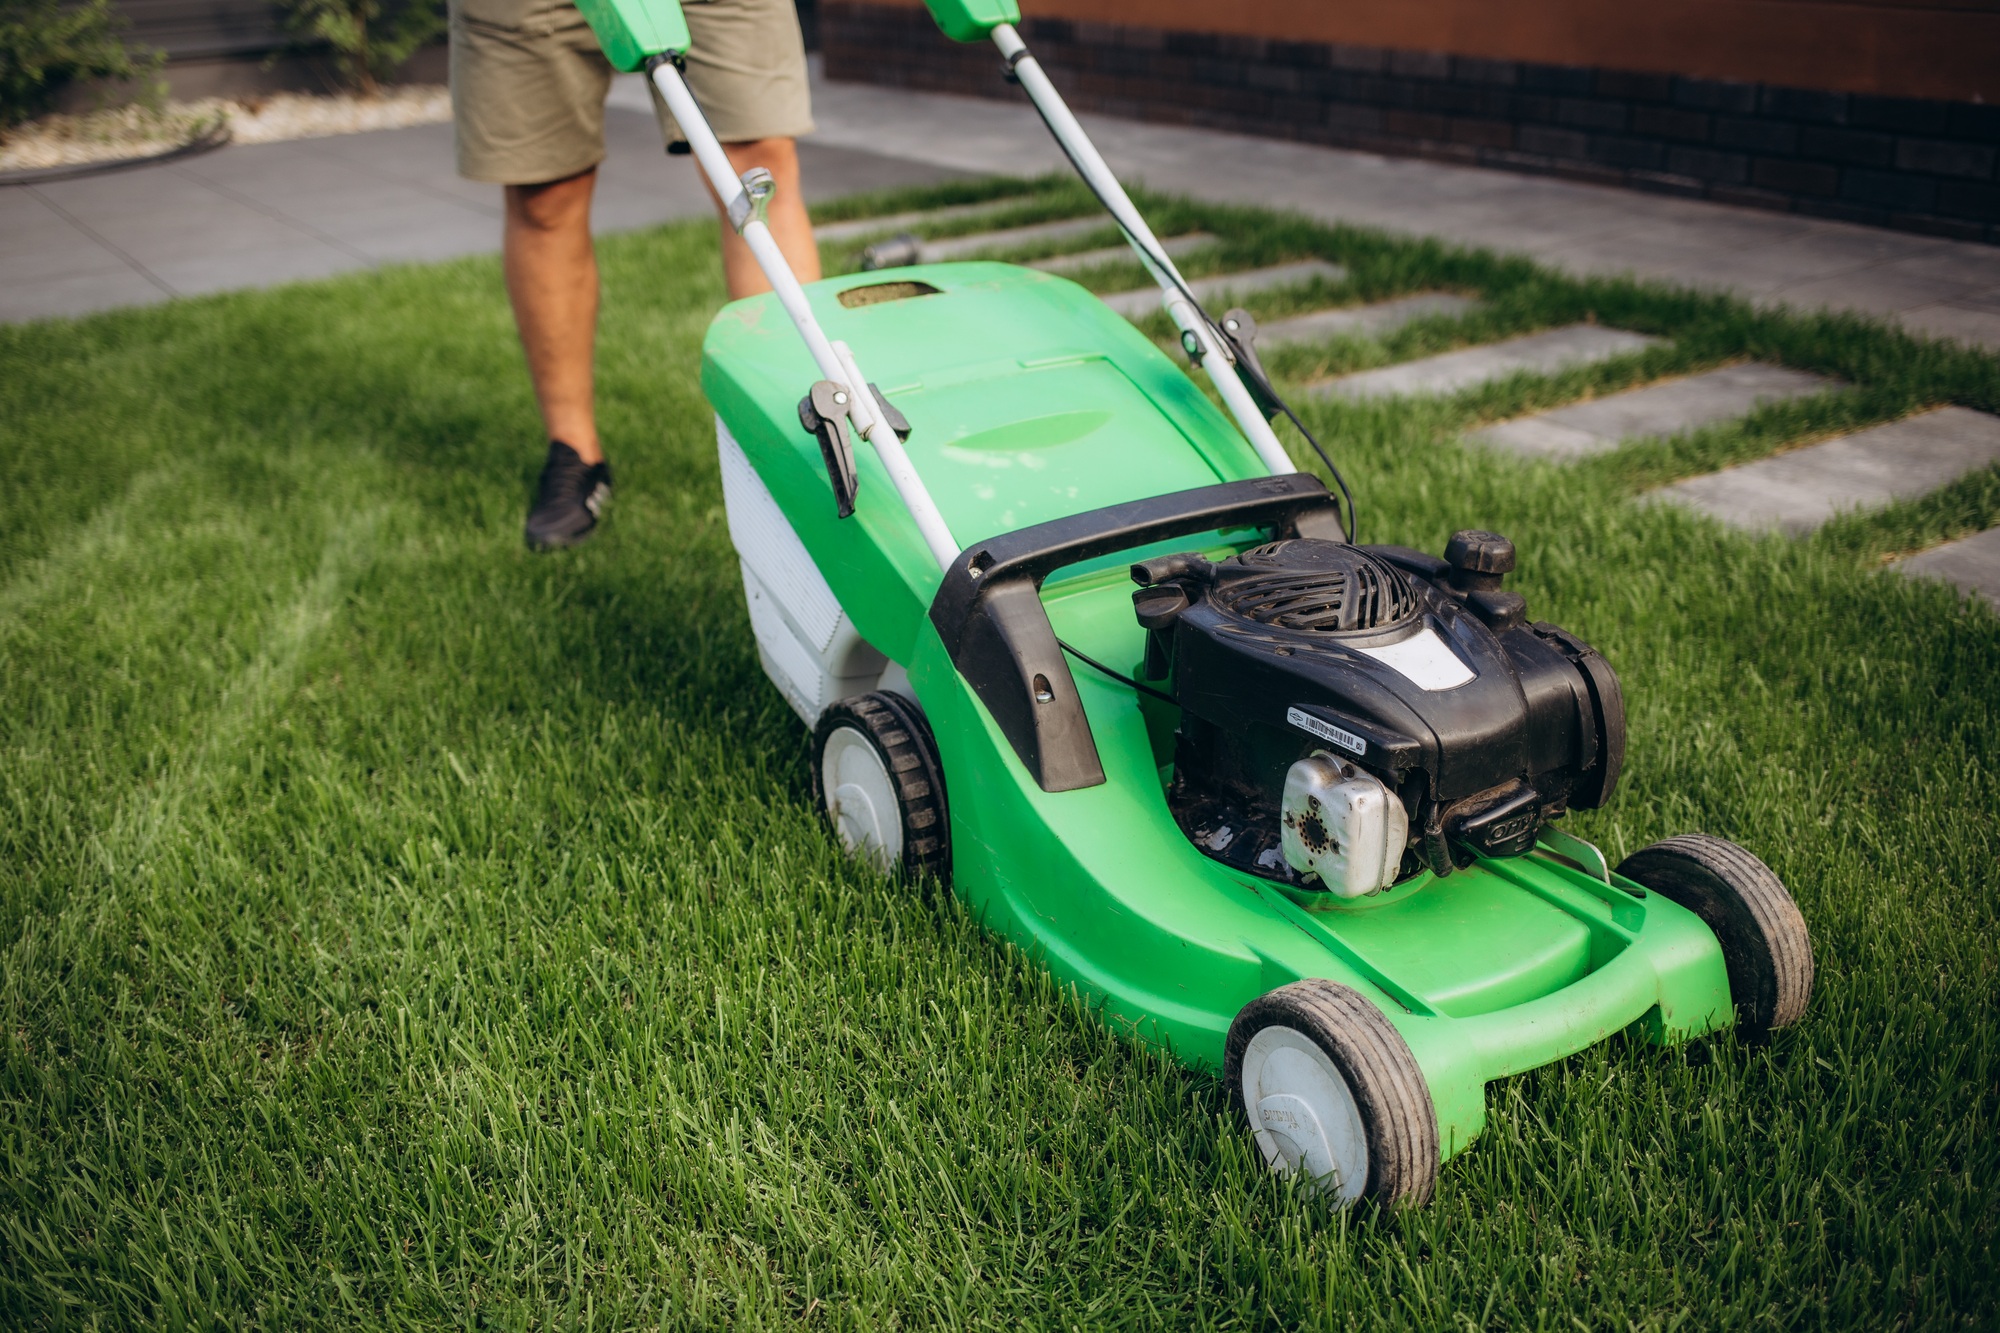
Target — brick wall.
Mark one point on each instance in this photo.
(1912, 164)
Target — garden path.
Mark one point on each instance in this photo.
(251, 216)
(256, 215)
(1940, 287)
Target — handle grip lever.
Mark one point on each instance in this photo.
(823, 413)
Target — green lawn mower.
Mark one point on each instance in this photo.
(1074, 641)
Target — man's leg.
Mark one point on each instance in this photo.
(552, 281)
(789, 224)
(551, 271)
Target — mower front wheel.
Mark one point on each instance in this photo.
(1763, 935)
(876, 775)
(1331, 1088)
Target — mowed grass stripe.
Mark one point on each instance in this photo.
(498, 969)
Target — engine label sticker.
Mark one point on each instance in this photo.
(1326, 731)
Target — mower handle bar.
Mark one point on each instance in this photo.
(989, 615)
(1207, 349)
(744, 198)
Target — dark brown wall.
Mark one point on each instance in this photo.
(1920, 164)
(1946, 49)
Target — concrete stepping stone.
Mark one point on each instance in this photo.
(1657, 411)
(1226, 288)
(1541, 353)
(1796, 492)
(1175, 246)
(836, 232)
(1013, 238)
(1972, 564)
(1363, 321)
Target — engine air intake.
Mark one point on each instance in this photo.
(1318, 587)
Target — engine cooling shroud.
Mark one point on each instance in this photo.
(1423, 672)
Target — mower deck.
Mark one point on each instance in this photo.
(1031, 402)
(1495, 969)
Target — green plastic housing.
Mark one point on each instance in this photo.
(972, 20)
(632, 31)
(1030, 400)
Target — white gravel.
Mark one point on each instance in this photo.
(136, 131)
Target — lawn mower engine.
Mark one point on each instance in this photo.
(1353, 715)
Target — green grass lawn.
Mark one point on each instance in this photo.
(403, 930)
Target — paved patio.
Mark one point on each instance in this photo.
(250, 216)
(255, 215)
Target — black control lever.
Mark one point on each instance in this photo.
(824, 413)
(897, 421)
(1241, 331)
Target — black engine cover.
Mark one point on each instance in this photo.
(1271, 656)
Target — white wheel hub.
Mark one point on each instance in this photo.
(1303, 1113)
(861, 799)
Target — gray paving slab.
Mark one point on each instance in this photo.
(1012, 239)
(1175, 246)
(201, 274)
(1656, 411)
(1972, 564)
(253, 215)
(79, 269)
(229, 232)
(164, 205)
(50, 298)
(830, 171)
(29, 227)
(417, 152)
(1796, 492)
(1882, 289)
(44, 244)
(1224, 288)
(1961, 321)
(76, 258)
(1363, 321)
(835, 233)
(384, 236)
(1453, 372)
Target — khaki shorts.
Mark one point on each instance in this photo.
(528, 83)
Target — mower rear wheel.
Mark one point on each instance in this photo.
(1330, 1088)
(876, 774)
(1763, 936)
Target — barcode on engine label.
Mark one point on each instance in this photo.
(1326, 731)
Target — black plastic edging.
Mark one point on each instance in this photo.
(213, 139)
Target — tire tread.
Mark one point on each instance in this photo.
(898, 731)
(1770, 966)
(1399, 1120)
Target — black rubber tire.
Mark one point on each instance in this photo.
(1764, 940)
(1399, 1123)
(896, 728)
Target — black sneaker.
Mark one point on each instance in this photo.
(567, 502)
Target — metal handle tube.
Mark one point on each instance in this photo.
(1091, 165)
(715, 165)
(832, 365)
